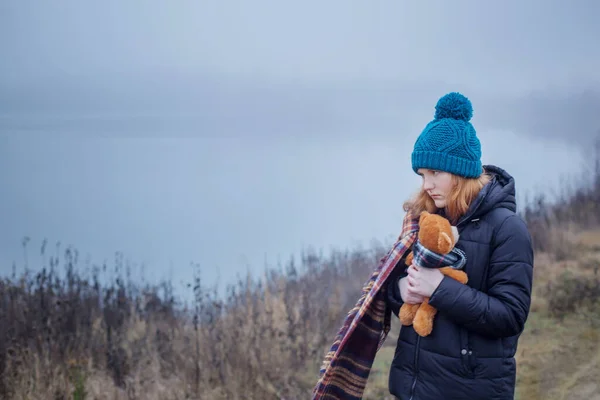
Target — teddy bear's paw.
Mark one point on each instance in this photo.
(423, 330)
(423, 322)
(455, 274)
(407, 313)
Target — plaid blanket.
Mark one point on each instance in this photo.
(423, 257)
(345, 370)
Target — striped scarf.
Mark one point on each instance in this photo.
(345, 370)
(423, 257)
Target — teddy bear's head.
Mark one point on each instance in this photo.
(436, 233)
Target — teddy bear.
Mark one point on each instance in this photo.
(438, 236)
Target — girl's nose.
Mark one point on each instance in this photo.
(427, 184)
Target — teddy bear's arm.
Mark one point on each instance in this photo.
(455, 274)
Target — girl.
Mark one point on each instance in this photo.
(470, 352)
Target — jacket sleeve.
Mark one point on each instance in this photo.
(393, 297)
(503, 310)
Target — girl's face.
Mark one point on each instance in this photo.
(437, 184)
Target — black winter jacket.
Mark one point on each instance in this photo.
(470, 352)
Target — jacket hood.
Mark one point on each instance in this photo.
(498, 193)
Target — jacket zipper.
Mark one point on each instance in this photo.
(412, 389)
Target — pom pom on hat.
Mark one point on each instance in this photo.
(454, 105)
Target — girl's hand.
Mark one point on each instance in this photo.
(423, 281)
(409, 297)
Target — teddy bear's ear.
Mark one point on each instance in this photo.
(445, 243)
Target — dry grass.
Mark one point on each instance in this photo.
(71, 336)
(75, 338)
(560, 350)
(558, 361)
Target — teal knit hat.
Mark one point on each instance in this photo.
(449, 142)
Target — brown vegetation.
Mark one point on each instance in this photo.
(71, 336)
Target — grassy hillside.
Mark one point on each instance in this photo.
(67, 333)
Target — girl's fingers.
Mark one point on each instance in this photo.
(411, 281)
(413, 295)
(416, 299)
(412, 278)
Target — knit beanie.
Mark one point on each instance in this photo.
(449, 143)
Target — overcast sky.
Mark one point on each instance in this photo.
(227, 133)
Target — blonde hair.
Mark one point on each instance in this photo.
(463, 192)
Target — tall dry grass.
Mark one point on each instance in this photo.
(70, 332)
(79, 335)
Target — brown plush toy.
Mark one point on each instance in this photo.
(438, 236)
